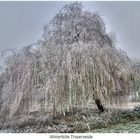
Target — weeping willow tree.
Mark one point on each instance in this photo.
(74, 61)
(135, 96)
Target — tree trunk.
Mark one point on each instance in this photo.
(98, 104)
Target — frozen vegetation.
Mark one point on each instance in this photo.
(75, 68)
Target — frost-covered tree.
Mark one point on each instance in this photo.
(73, 24)
(75, 61)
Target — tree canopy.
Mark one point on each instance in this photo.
(73, 24)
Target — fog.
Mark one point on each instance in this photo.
(21, 23)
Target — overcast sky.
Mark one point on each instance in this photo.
(21, 23)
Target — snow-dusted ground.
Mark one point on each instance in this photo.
(129, 105)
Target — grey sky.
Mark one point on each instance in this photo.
(21, 23)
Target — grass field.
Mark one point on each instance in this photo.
(131, 127)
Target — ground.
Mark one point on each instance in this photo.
(113, 120)
(131, 127)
